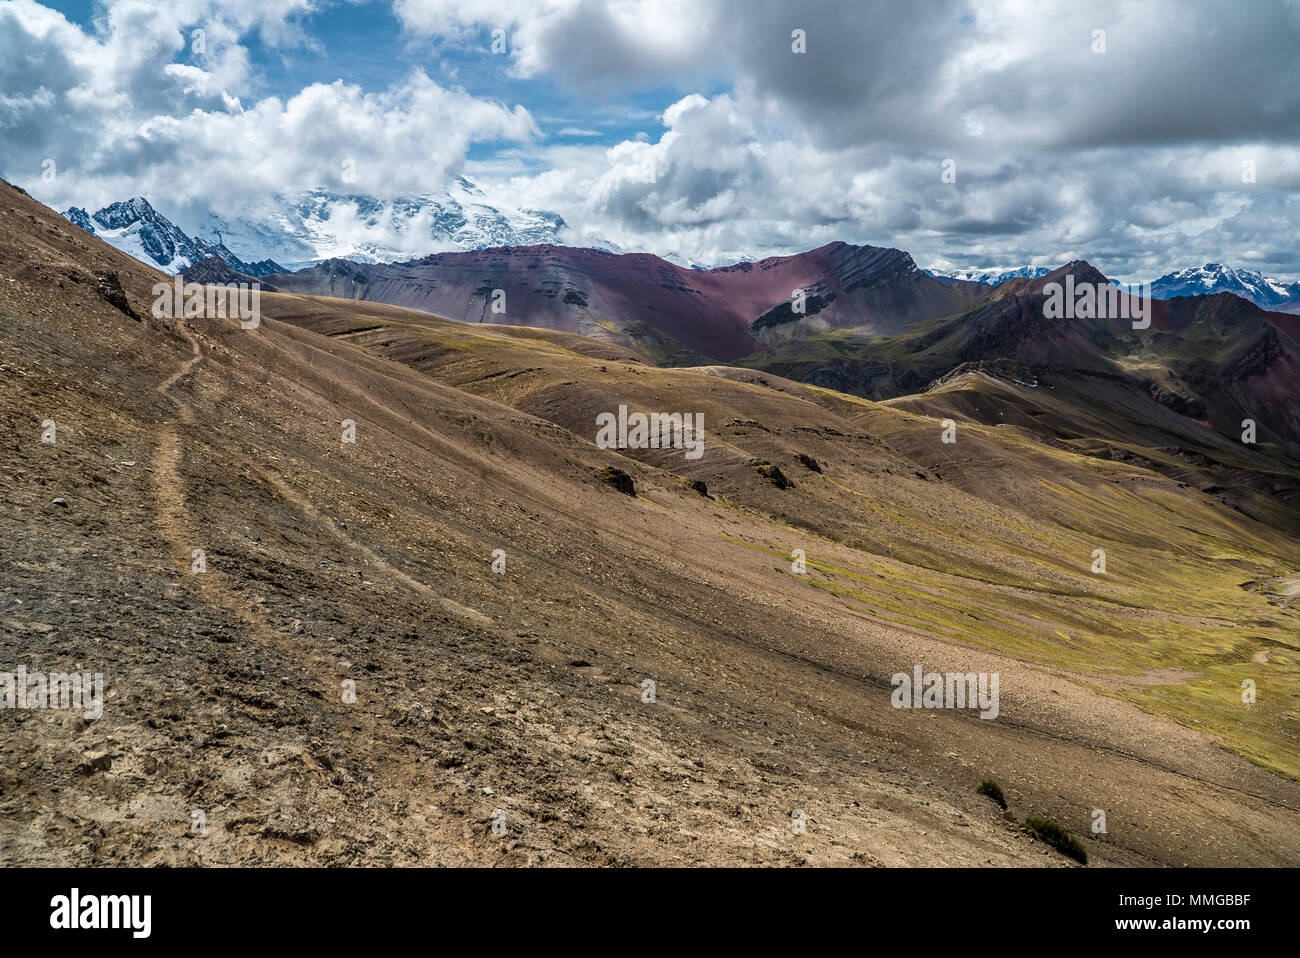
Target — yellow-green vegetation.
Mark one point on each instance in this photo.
(1053, 834)
(994, 791)
(1170, 614)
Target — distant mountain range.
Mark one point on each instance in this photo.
(1214, 359)
(1218, 278)
(293, 230)
(672, 313)
(302, 229)
(1194, 281)
(993, 277)
(136, 228)
(316, 228)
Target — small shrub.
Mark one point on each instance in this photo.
(994, 791)
(1056, 836)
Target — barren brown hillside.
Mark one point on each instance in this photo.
(517, 698)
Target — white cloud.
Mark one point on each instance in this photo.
(713, 189)
(972, 74)
(605, 39)
(121, 114)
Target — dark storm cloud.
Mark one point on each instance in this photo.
(930, 73)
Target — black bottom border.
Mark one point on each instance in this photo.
(953, 908)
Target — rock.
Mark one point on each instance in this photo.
(773, 474)
(110, 290)
(617, 478)
(700, 486)
(290, 833)
(96, 763)
(60, 502)
(808, 462)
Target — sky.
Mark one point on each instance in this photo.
(1141, 135)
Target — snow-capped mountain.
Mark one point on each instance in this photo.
(1218, 278)
(136, 228)
(300, 229)
(994, 277)
(290, 231)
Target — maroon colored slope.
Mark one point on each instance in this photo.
(711, 312)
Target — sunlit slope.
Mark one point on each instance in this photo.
(988, 540)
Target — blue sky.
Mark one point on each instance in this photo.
(696, 129)
(364, 43)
